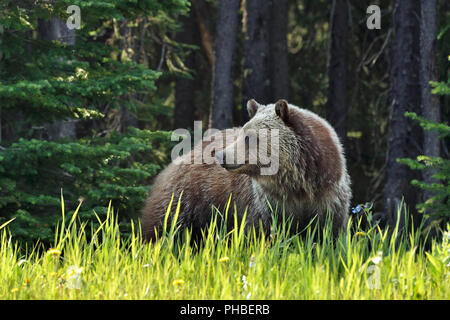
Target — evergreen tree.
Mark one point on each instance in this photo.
(47, 79)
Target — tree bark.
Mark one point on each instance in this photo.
(337, 104)
(279, 69)
(257, 81)
(223, 73)
(128, 40)
(184, 113)
(56, 29)
(429, 71)
(403, 137)
(201, 11)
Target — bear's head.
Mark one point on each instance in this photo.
(263, 144)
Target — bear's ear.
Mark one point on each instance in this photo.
(282, 109)
(252, 107)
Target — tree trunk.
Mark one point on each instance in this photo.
(225, 47)
(337, 104)
(279, 70)
(56, 29)
(184, 113)
(203, 23)
(128, 40)
(257, 81)
(429, 71)
(403, 137)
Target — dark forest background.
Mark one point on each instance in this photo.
(88, 112)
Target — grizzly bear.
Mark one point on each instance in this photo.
(309, 179)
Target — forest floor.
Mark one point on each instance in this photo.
(234, 264)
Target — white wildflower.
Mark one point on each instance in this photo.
(377, 259)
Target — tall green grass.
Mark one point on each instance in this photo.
(237, 263)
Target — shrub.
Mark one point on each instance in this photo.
(439, 204)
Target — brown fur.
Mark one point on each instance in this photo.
(312, 178)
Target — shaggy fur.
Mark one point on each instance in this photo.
(312, 176)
